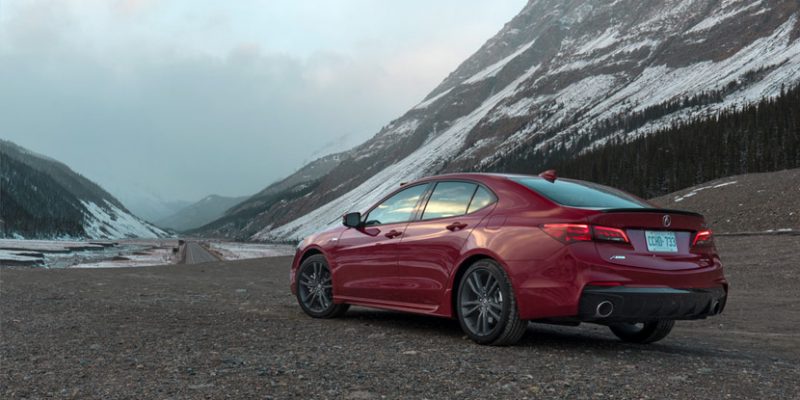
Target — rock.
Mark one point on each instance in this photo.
(360, 395)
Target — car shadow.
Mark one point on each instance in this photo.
(540, 336)
(406, 321)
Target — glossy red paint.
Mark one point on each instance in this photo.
(416, 266)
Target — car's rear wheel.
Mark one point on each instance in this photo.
(643, 332)
(486, 306)
(315, 289)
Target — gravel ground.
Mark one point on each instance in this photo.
(742, 203)
(232, 330)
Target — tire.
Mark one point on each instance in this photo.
(315, 289)
(486, 306)
(647, 332)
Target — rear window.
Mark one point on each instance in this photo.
(581, 195)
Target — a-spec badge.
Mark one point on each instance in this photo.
(617, 258)
(667, 220)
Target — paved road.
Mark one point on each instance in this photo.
(196, 254)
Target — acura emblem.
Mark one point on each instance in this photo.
(667, 220)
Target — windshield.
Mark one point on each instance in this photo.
(581, 194)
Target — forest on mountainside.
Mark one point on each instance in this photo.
(33, 204)
(760, 137)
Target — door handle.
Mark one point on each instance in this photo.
(456, 226)
(393, 234)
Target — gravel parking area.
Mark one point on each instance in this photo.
(233, 330)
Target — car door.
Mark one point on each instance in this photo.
(366, 257)
(432, 244)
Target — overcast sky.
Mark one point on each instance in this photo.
(186, 98)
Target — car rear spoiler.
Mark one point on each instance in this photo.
(651, 210)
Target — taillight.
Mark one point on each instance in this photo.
(571, 233)
(703, 238)
(568, 233)
(610, 234)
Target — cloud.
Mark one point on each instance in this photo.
(187, 101)
(130, 8)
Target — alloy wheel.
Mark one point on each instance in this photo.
(481, 302)
(315, 287)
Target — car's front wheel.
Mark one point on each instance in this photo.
(486, 306)
(315, 289)
(643, 332)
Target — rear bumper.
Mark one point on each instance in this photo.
(640, 304)
(555, 288)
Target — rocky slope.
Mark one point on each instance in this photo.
(561, 75)
(744, 203)
(43, 198)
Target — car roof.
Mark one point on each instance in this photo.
(475, 176)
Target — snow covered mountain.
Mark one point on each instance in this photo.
(43, 198)
(200, 213)
(563, 75)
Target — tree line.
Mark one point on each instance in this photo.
(34, 205)
(759, 137)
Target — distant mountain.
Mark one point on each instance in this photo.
(150, 207)
(200, 213)
(560, 79)
(43, 198)
(251, 215)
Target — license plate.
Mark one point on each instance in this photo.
(661, 242)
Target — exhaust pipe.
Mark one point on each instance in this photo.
(604, 309)
(715, 307)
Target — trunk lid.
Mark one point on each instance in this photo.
(659, 239)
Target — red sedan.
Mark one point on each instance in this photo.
(496, 251)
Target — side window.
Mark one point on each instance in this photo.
(449, 199)
(481, 199)
(398, 208)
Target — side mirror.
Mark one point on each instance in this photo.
(352, 220)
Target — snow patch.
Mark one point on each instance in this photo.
(714, 20)
(606, 39)
(110, 222)
(13, 257)
(159, 256)
(493, 69)
(432, 100)
(694, 192)
(241, 251)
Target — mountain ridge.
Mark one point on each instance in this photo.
(561, 74)
(42, 198)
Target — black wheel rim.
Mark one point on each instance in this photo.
(315, 287)
(481, 302)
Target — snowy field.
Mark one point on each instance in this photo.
(88, 254)
(241, 251)
(154, 256)
(50, 246)
(122, 253)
